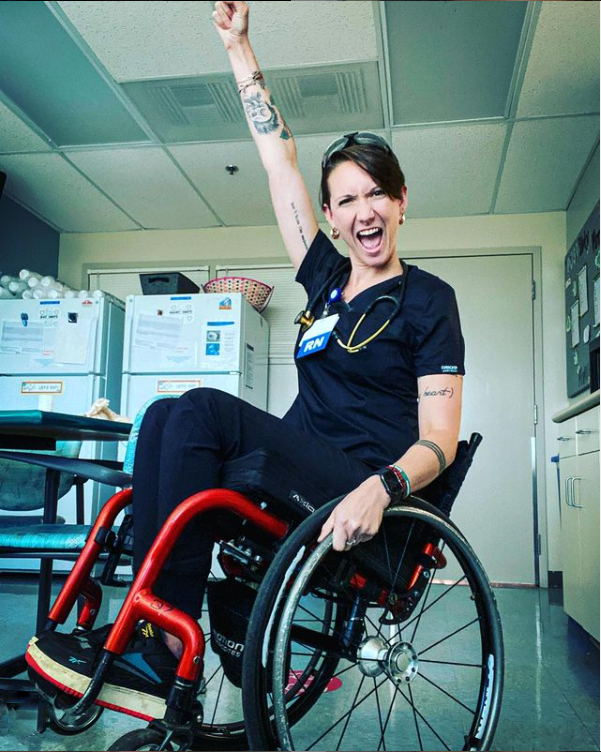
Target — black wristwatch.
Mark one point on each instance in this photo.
(394, 488)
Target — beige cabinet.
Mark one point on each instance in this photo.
(579, 464)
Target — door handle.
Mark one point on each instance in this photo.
(577, 506)
(567, 490)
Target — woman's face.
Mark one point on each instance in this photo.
(367, 218)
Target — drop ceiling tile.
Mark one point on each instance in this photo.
(15, 135)
(58, 193)
(450, 170)
(451, 60)
(244, 198)
(240, 199)
(543, 163)
(562, 76)
(137, 40)
(147, 185)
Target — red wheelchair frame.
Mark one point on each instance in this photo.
(141, 603)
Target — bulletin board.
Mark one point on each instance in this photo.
(582, 304)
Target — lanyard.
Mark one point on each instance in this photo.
(306, 318)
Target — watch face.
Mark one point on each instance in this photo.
(392, 485)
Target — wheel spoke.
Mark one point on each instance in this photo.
(396, 692)
(349, 715)
(452, 663)
(217, 699)
(424, 601)
(448, 637)
(435, 601)
(213, 675)
(414, 709)
(343, 717)
(429, 725)
(382, 741)
(448, 694)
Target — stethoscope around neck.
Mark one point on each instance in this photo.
(306, 318)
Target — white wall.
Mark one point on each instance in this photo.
(417, 237)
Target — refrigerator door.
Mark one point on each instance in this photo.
(49, 336)
(183, 333)
(139, 388)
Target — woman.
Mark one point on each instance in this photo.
(379, 403)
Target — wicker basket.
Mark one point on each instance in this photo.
(257, 293)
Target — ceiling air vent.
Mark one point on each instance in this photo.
(312, 100)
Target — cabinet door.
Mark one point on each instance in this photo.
(587, 432)
(570, 541)
(566, 439)
(586, 494)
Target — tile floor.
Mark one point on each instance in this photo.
(551, 698)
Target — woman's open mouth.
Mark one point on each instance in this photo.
(371, 239)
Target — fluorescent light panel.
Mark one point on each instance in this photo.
(451, 60)
(46, 74)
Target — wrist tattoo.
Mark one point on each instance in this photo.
(442, 461)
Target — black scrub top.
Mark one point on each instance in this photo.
(366, 402)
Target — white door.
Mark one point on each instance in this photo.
(495, 507)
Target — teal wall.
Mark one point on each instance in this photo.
(25, 241)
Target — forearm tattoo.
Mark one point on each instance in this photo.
(442, 461)
(261, 110)
(261, 113)
(298, 224)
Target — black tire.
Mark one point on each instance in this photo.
(56, 701)
(140, 739)
(61, 728)
(464, 691)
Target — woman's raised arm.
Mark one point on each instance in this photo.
(289, 195)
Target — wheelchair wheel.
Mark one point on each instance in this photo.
(416, 664)
(56, 702)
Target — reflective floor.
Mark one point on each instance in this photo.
(551, 698)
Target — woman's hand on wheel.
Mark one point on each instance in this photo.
(358, 517)
(230, 18)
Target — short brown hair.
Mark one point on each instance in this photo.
(384, 168)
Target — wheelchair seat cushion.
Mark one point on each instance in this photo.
(266, 476)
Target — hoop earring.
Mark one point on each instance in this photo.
(402, 219)
(334, 233)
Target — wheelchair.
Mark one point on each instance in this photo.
(395, 644)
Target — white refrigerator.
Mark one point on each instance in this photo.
(62, 355)
(174, 343)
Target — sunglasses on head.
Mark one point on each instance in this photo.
(362, 138)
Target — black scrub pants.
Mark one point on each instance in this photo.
(181, 448)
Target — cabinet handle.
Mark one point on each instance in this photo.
(577, 506)
(567, 490)
(565, 438)
(582, 432)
